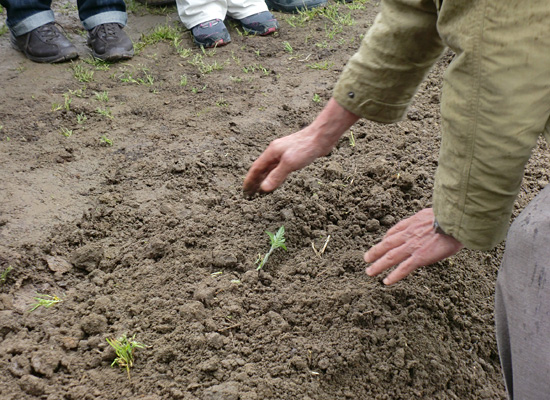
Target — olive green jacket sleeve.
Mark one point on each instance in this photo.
(495, 99)
(380, 80)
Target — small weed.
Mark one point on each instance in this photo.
(254, 68)
(45, 300)
(320, 66)
(236, 59)
(106, 112)
(222, 102)
(322, 45)
(102, 96)
(277, 241)
(82, 74)
(204, 67)
(67, 101)
(160, 33)
(351, 139)
(124, 348)
(3, 30)
(4, 274)
(81, 118)
(184, 53)
(56, 107)
(104, 140)
(78, 92)
(66, 132)
(288, 48)
(145, 79)
(316, 98)
(98, 64)
(236, 78)
(183, 80)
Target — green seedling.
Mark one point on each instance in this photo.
(102, 96)
(320, 66)
(183, 80)
(351, 139)
(66, 132)
(316, 98)
(56, 107)
(3, 30)
(45, 300)
(105, 141)
(106, 112)
(97, 63)
(4, 275)
(124, 348)
(287, 47)
(67, 102)
(277, 241)
(82, 74)
(81, 118)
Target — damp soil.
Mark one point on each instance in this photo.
(129, 209)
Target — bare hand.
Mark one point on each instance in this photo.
(412, 243)
(295, 151)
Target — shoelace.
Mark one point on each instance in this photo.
(105, 30)
(48, 32)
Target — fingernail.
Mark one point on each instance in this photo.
(386, 281)
(369, 271)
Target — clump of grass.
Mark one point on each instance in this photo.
(277, 241)
(66, 132)
(4, 274)
(124, 348)
(45, 300)
(82, 74)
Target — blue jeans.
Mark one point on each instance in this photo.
(26, 15)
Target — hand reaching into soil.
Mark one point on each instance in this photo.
(412, 243)
(295, 151)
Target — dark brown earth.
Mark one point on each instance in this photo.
(152, 236)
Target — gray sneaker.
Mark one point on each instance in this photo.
(45, 44)
(110, 43)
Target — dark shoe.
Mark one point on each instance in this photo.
(293, 6)
(262, 23)
(211, 34)
(45, 44)
(158, 3)
(110, 43)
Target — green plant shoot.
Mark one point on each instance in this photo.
(124, 348)
(4, 274)
(45, 300)
(277, 241)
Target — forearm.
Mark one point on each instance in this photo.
(331, 123)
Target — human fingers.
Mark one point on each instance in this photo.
(421, 257)
(434, 248)
(386, 245)
(276, 177)
(259, 170)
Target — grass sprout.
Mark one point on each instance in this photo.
(124, 348)
(4, 274)
(45, 300)
(277, 241)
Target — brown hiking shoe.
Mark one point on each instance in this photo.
(45, 44)
(110, 43)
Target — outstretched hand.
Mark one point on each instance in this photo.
(412, 243)
(295, 151)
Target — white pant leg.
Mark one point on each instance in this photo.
(194, 12)
(240, 9)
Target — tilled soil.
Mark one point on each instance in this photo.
(129, 209)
